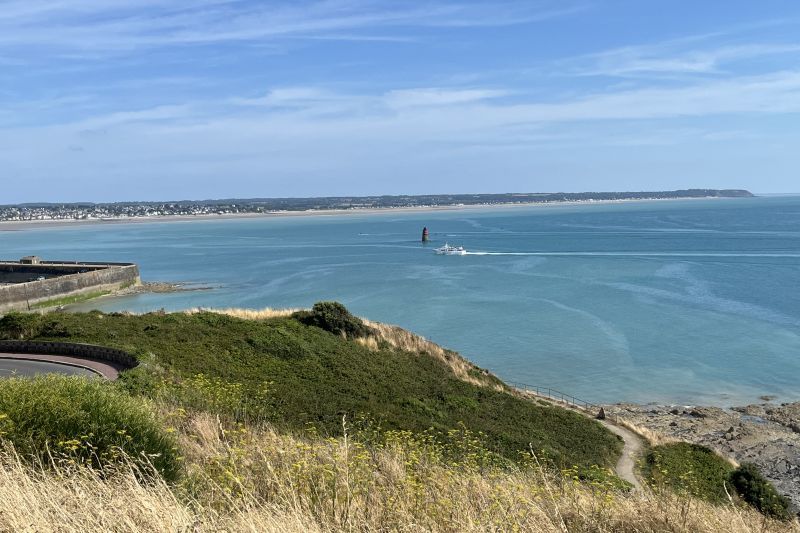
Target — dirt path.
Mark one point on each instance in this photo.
(632, 449)
(626, 466)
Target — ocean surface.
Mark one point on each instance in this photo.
(686, 302)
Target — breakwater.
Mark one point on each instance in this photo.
(26, 286)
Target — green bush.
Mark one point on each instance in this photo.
(758, 492)
(295, 375)
(85, 421)
(335, 318)
(688, 468)
(19, 326)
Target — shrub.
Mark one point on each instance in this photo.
(86, 421)
(758, 492)
(316, 377)
(335, 318)
(688, 468)
(19, 326)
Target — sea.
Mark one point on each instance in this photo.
(693, 302)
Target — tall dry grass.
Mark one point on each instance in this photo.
(402, 339)
(240, 479)
(245, 314)
(81, 501)
(652, 437)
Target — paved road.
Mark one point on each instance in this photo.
(22, 367)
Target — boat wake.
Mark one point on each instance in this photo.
(643, 254)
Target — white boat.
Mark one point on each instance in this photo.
(450, 250)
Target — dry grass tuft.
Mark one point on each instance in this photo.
(246, 314)
(402, 339)
(239, 479)
(80, 501)
(652, 437)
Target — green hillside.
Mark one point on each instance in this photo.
(293, 375)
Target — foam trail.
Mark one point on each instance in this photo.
(643, 254)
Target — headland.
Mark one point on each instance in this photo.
(24, 216)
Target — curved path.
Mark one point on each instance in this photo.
(30, 364)
(631, 450)
(626, 465)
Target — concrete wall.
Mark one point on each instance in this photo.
(22, 296)
(90, 351)
(12, 272)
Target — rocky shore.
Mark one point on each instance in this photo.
(159, 287)
(766, 434)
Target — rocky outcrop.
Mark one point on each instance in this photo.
(764, 434)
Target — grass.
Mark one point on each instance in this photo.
(246, 479)
(691, 469)
(283, 426)
(86, 421)
(293, 376)
(68, 300)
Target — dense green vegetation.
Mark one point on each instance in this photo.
(699, 471)
(335, 318)
(758, 492)
(689, 468)
(294, 375)
(82, 420)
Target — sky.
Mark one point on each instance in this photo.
(121, 100)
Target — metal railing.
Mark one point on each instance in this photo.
(556, 395)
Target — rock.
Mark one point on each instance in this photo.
(673, 423)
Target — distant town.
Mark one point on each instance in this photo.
(123, 210)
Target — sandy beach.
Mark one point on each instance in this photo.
(19, 225)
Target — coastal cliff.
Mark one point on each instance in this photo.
(311, 420)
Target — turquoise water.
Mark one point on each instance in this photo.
(680, 301)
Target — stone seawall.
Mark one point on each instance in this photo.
(101, 353)
(25, 296)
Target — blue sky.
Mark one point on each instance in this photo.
(106, 100)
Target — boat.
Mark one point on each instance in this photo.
(451, 250)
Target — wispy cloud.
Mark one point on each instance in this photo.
(439, 96)
(205, 88)
(93, 25)
(673, 57)
(451, 115)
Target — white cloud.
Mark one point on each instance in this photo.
(290, 96)
(439, 96)
(681, 56)
(104, 26)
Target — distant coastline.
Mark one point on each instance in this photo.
(17, 225)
